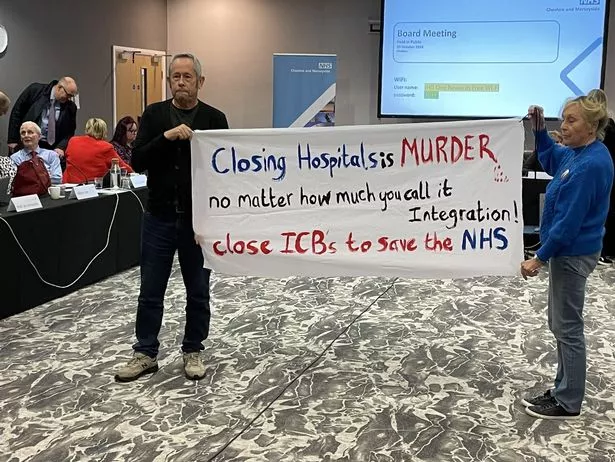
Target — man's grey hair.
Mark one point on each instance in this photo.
(37, 129)
(198, 70)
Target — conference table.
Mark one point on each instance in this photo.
(61, 239)
(64, 236)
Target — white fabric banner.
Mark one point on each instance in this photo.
(424, 200)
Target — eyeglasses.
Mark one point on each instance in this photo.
(69, 95)
(132, 130)
(187, 77)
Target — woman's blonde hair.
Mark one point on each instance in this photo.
(96, 128)
(593, 110)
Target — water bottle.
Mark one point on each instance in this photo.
(114, 174)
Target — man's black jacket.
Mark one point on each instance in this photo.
(29, 107)
(168, 162)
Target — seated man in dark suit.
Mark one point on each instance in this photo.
(35, 104)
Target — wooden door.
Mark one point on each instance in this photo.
(127, 101)
(139, 82)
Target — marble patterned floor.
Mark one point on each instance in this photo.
(300, 369)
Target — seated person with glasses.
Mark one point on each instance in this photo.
(30, 134)
(124, 136)
(50, 106)
(89, 156)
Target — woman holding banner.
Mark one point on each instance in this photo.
(571, 230)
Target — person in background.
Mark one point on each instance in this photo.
(89, 156)
(7, 167)
(162, 148)
(608, 242)
(575, 210)
(30, 136)
(123, 137)
(36, 103)
(5, 103)
(531, 164)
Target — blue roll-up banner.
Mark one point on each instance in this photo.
(304, 90)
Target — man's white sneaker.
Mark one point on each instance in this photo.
(194, 367)
(139, 365)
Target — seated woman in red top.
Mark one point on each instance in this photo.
(89, 156)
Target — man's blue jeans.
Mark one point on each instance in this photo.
(567, 279)
(159, 241)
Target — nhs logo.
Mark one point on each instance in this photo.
(589, 2)
(330, 65)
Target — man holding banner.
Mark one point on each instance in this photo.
(162, 148)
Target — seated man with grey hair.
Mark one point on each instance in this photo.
(30, 134)
(5, 102)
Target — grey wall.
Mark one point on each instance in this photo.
(79, 41)
(236, 39)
